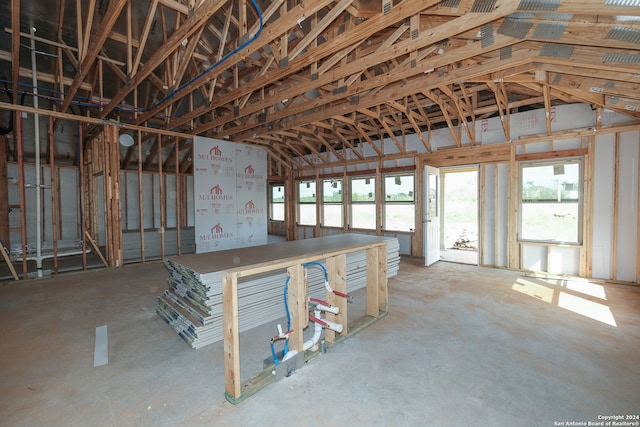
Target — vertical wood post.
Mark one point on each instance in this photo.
(111, 169)
(178, 198)
(290, 204)
(586, 250)
(337, 272)
(231, 334)
(383, 290)
(513, 251)
(638, 230)
(298, 306)
(373, 301)
(4, 193)
(616, 201)
(140, 198)
(482, 210)
(162, 197)
(83, 198)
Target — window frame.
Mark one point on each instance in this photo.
(563, 161)
(333, 203)
(386, 202)
(354, 203)
(273, 186)
(308, 182)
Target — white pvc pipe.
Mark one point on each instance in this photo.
(36, 120)
(316, 334)
(322, 307)
(333, 326)
(289, 355)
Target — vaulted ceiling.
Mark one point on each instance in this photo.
(300, 77)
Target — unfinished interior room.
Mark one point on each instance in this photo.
(319, 213)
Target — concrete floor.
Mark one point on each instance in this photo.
(461, 346)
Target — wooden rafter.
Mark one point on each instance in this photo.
(463, 112)
(15, 47)
(502, 101)
(109, 20)
(193, 24)
(444, 109)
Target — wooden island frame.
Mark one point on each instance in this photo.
(292, 256)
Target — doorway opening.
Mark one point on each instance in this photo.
(460, 215)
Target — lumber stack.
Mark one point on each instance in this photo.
(192, 304)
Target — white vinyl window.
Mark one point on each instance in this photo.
(550, 201)
(307, 203)
(276, 202)
(363, 203)
(332, 203)
(399, 207)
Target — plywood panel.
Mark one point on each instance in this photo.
(235, 259)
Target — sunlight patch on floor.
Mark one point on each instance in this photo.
(547, 290)
(585, 307)
(527, 287)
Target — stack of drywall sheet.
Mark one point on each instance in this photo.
(193, 303)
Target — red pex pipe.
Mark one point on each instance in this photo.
(319, 301)
(340, 294)
(320, 321)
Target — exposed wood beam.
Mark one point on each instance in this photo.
(193, 24)
(175, 5)
(411, 117)
(15, 47)
(146, 29)
(110, 17)
(375, 83)
(285, 23)
(62, 45)
(443, 107)
(398, 13)
(316, 30)
(87, 29)
(45, 77)
(461, 113)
